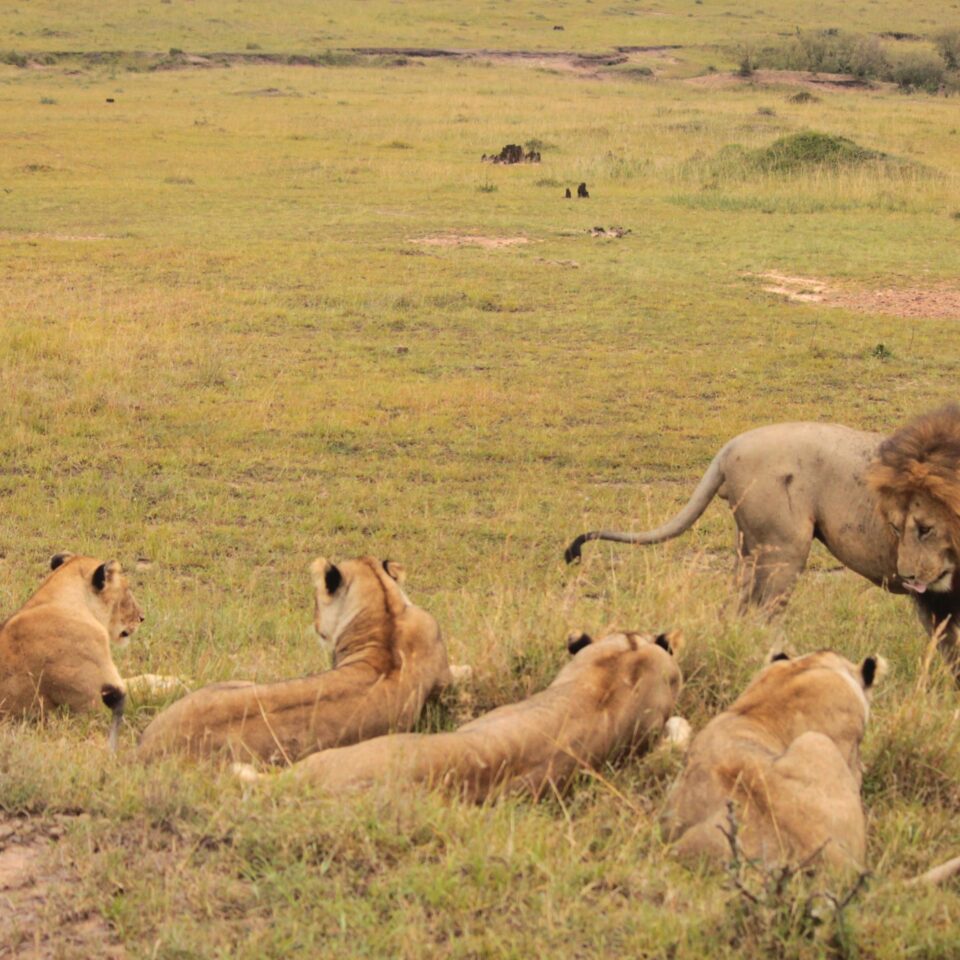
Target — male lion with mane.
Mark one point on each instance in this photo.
(787, 755)
(55, 650)
(388, 658)
(613, 697)
(889, 509)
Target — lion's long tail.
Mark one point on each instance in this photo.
(706, 490)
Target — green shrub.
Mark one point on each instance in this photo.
(947, 43)
(918, 71)
(811, 149)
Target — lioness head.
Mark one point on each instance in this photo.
(350, 589)
(916, 477)
(627, 673)
(108, 594)
(787, 683)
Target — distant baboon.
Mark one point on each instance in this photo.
(582, 190)
(568, 195)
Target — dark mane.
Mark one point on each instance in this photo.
(922, 457)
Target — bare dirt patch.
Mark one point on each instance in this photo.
(934, 302)
(789, 78)
(36, 921)
(468, 240)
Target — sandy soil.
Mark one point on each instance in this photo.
(36, 923)
(936, 301)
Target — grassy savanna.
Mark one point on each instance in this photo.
(224, 352)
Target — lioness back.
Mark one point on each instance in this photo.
(388, 657)
(614, 696)
(55, 650)
(786, 754)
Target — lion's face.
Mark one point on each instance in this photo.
(125, 613)
(926, 557)
(109, 593)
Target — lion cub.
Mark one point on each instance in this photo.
(612, 698)
(55, 650)
(388, 658)
(787, 753)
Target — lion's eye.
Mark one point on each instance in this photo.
(923, 531)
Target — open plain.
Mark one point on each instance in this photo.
(260, 300)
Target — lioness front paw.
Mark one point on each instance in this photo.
(245, 772)
(677, 733)
(153, 686)
(460, 672)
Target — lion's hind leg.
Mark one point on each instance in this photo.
(770, 556)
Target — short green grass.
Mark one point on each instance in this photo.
(224, 352)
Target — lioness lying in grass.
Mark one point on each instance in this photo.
(614, 697)
(388, 658)
(787, 754)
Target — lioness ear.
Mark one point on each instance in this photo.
(779, 655)
(332, 577)
(58, 559)
(104, 574)
(577, 640)
(873, 670)
(395, 570)
(672, 641)
(323, 570)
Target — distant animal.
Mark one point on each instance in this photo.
(568, 195)
(582, 190)
(889, 509)
(388, 658)
(786, 754)
(613, 697)
(55, 650)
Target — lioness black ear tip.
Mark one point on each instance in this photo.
(332, 578)
(873, 670)
(59, 559)
(778, 656)
(663, 641)
(99, 578)
(577, 640)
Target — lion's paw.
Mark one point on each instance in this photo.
(153, 686)
(460, 672)
(245, 772)
(677, 733)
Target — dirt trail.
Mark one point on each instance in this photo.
(936, 301)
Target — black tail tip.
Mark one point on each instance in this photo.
(573, 551)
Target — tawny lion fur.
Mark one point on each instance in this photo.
(55, 650)
(388, 658)
(613, 697)
(889, 509)
(787, 753)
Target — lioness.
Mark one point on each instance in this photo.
(388, 657)
(613, 697)
(55, 650)
(887, 509)
(787, 753)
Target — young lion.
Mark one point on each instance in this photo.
(614, 697)
(55, 650)
(388, 658)
(787, 754)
